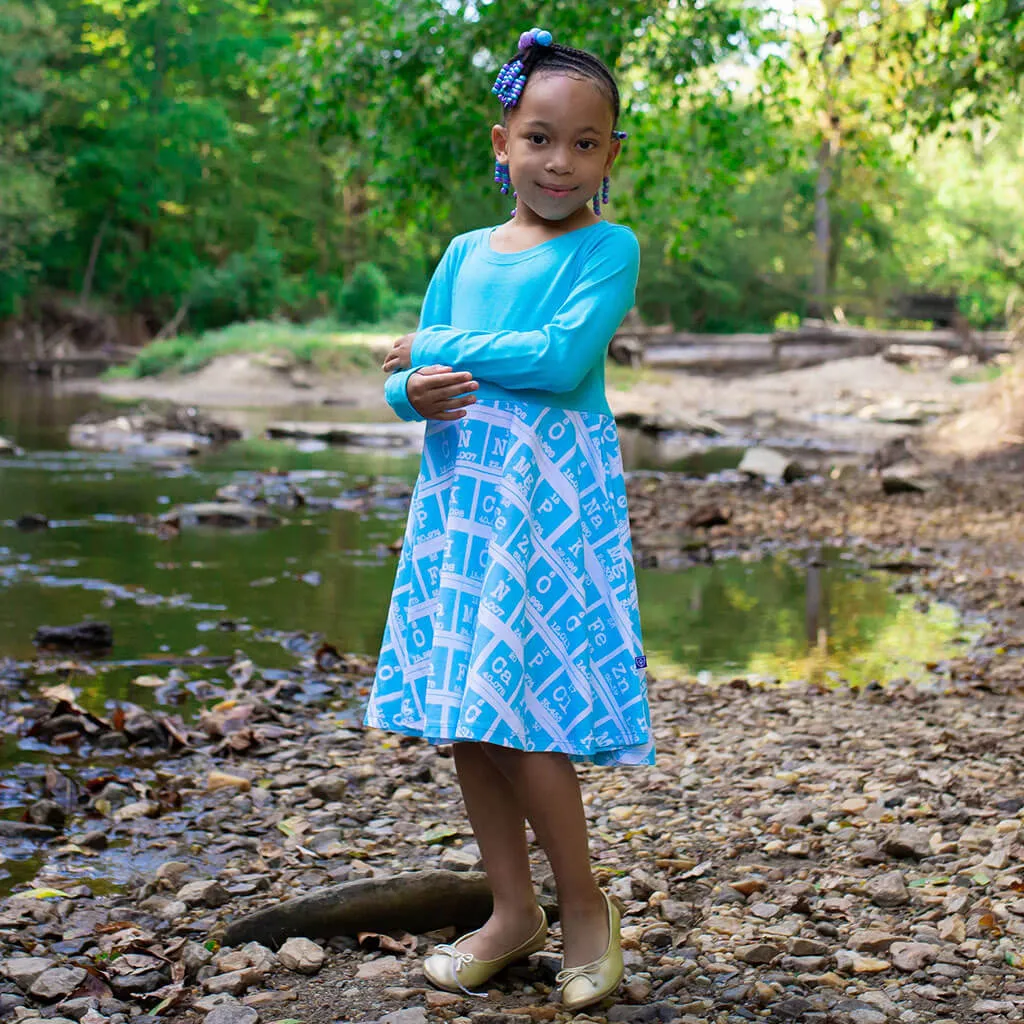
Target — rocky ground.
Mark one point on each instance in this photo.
(795, 855)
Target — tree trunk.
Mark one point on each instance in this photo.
(822, 231)
(94, 255)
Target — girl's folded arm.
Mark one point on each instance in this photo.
(559, 355)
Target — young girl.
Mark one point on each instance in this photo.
(513, 632)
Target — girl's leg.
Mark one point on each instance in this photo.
(547, 788)
(499, 826)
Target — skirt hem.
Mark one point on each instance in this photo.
(599, 755)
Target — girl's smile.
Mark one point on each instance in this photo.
(557, 190)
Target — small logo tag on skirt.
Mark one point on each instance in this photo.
(641, 662)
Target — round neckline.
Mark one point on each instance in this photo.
(524, 254)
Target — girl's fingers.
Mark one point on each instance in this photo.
(459, 403)
(452, 391)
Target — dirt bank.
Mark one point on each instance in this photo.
(853, 404)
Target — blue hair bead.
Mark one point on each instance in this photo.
(542, 37)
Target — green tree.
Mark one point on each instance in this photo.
(30, 209)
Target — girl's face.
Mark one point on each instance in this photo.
(558, 144)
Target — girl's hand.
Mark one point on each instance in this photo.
(440, 393)
(400, 356)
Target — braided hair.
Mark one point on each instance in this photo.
(538, 53)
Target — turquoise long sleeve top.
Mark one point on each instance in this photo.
(531, 325)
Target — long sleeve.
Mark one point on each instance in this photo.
(437, 309)
(396, 395)
(558, 356)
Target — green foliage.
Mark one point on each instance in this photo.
(30, 208)
(965, 62)
(249, 286)
(365, 296)
(323, 344)
(306, 159)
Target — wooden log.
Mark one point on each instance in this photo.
(687, 339)
(950, 340)
(730, 356)
(809, 346)
(417, 902)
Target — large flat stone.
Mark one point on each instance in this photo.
(363, 435)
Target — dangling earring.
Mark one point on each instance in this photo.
(501, 177)
(515, 196)
(604, 196)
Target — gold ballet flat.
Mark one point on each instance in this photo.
(582, 986)
(451, 969)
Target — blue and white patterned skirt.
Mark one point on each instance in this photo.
(514, 617)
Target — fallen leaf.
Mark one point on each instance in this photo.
(437, 833)
(376, 940)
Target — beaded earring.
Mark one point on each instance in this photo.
(605, 195)
(501, 177)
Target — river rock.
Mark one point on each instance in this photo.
(457, 858)
(808, 947)
(363, 435)
(302, 955)
(888, 890)
(907, 478)
(232, 1013)
(56, 983)
(912, 956)
(760, 953)
(872, 940)
(127, 986)
(137, 809)
(865, 1015)
(410, 1015)
(770, 465)
(224, 514)
(47, 812)
(83, 636)
(31, 522)
(24, 970)
(856, 963)
(382, 968)
(907, 844)
(234, 982)
(953, 929)
(329, 787)
(208, 893)
(151, 433)
(171, 872)
(25, 830)
(120, 435)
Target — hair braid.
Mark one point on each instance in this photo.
(533, 57)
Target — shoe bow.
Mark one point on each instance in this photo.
(567, 974)
(459, 960)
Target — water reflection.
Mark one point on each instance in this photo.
(784, 618)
